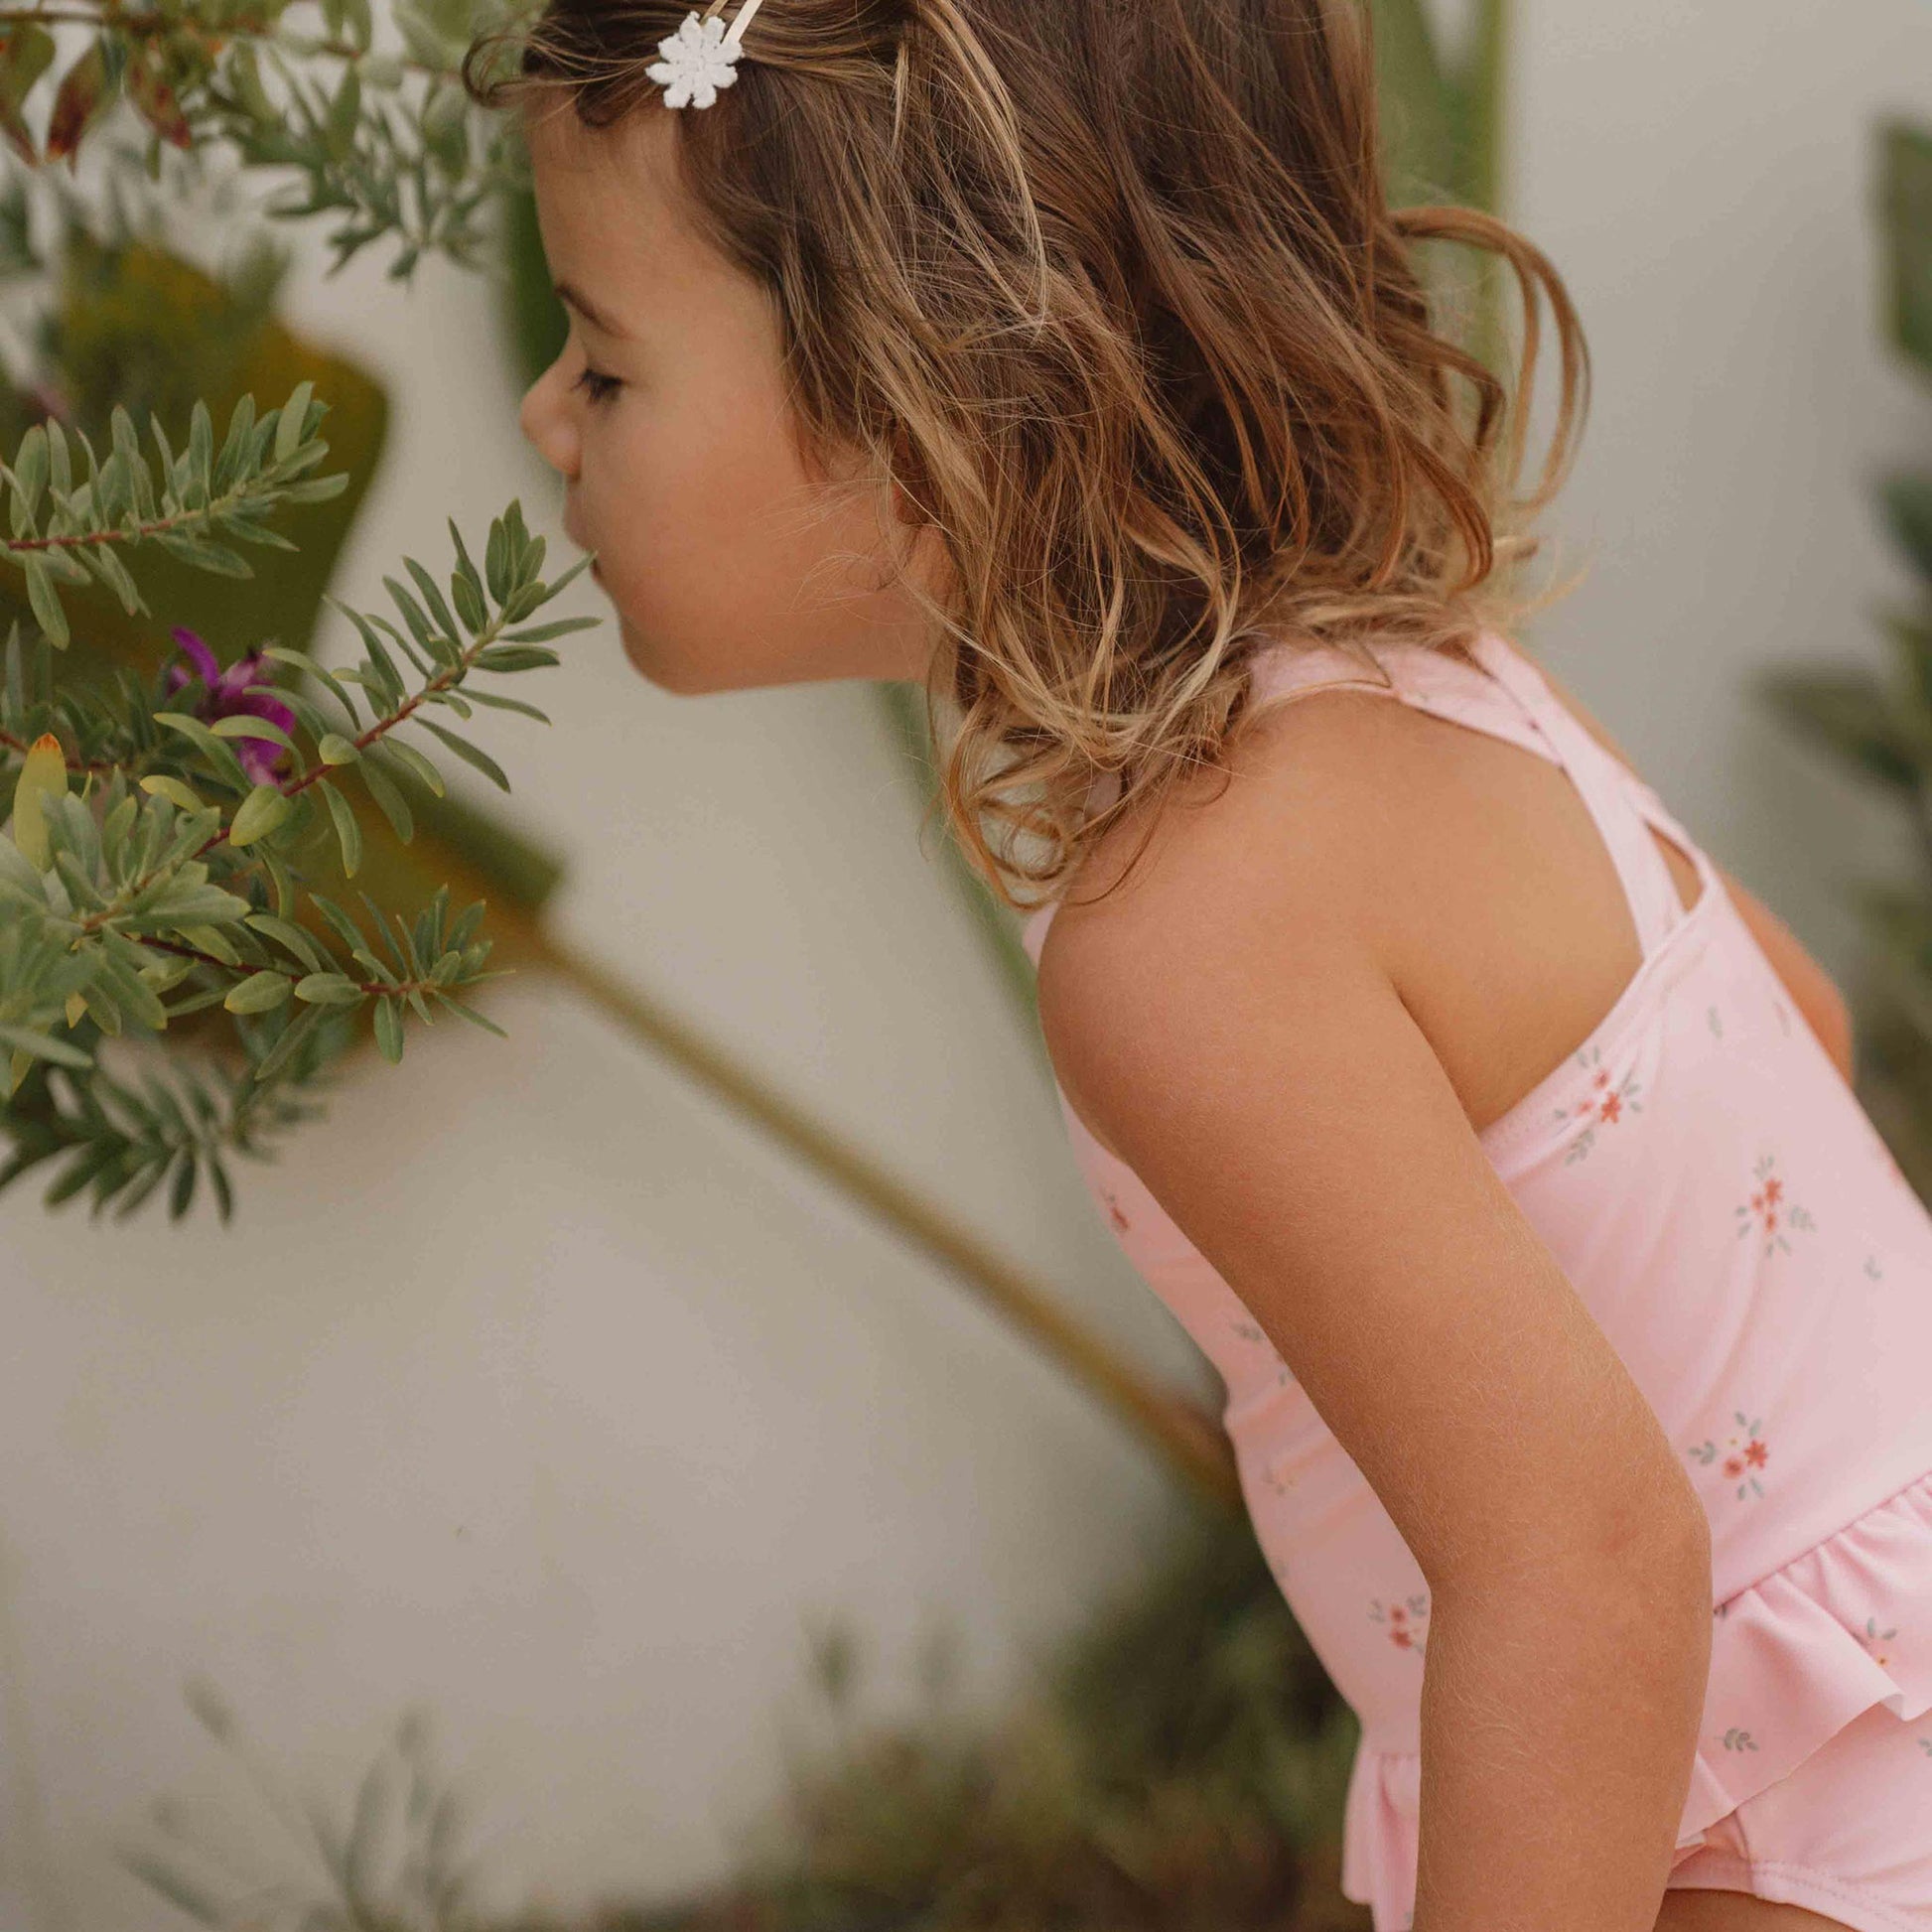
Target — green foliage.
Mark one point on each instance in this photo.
(197, 498)
(394, 1866)
(1905, 210)
(171, 882)
(391, 143)
(1880, 727)
(160, 874)
(1181, 1766)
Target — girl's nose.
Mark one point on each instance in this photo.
(547, 423)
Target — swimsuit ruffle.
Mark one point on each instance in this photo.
(1794, 1658)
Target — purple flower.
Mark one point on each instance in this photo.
(238, 689)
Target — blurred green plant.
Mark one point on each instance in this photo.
(1880, 727)
(1179, 1765)
(1443, 101)
(394, 1867)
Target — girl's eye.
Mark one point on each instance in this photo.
(599, 388)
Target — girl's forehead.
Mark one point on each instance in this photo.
(612, 222)
(612, 185)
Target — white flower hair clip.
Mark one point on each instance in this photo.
(701, 56)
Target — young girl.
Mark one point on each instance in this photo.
(1064, 356)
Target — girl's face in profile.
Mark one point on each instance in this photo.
(729, 566)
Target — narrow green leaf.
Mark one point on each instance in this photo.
(234, 447)
(385, 668)
(545, 591)
(300, 811)
(337, 750)
(516, 657)
(494, 701)
(345, 926)
(413, 615)
(431, 596)
(328, 988)
(201, 456)
(318, 490)
(167, 451)
(259, 814)
(222, 755)
(388, 1030)
(181, 1893)
(497, 562)
(303, 661)
(246, 723)
(464, 749)
(302, 944)
(290, 427)
(45, 603)
(127, 446)
(409, 757)
(466, 586)
(258, 992)
(539, 633)
(470, 1013)
(416, 664)
(181, 1194)
(109, 563)
(349, 834)
(60, 464)
(394, 806)
(208, 938)
(30, 468)
(26, 1040)
(299, 1028)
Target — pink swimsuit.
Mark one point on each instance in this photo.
(1742, 1236)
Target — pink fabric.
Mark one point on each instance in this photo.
(1742, 1236)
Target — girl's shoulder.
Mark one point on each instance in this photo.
(1464, 865)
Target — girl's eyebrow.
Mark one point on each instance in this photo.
(568, 294)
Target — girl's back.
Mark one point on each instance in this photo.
(1710, 1185)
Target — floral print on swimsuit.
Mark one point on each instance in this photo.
(1604, 1103)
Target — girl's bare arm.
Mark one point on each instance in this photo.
(1234, 1035)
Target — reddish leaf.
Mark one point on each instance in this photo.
(155, 101)
(80, 102)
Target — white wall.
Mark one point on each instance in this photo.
(1703, 177)
(533, 1387)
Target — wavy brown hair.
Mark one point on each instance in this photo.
(1111, 290)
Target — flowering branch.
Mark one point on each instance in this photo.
(163, 867)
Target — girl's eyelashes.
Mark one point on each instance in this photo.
(599, 388)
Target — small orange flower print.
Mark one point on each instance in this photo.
(1602, 1103)
(1406, 1622)
(1770, 1211)
(1740, 1456)
(1871, 1637)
